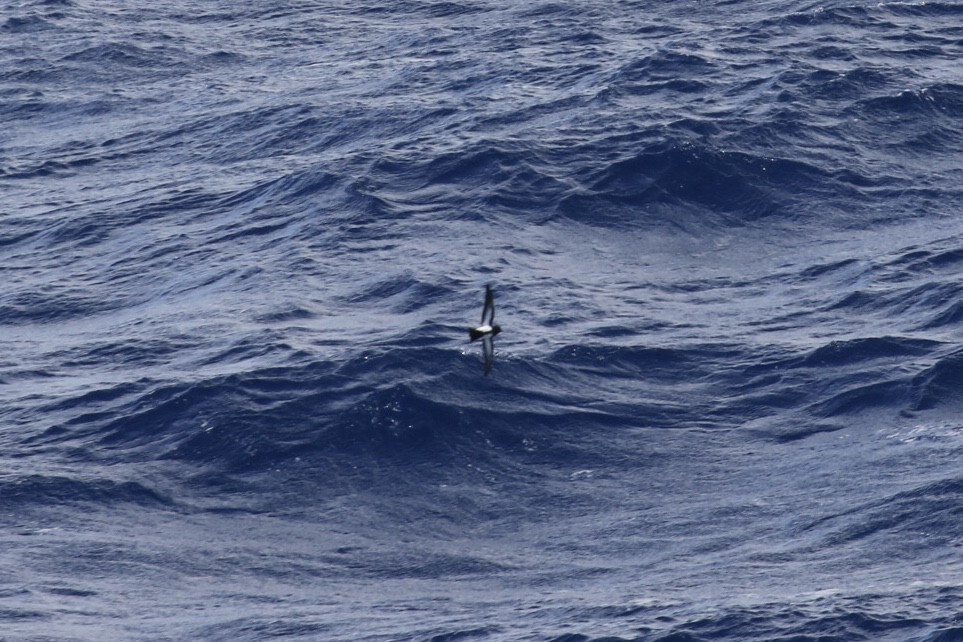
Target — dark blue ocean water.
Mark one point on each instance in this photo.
(241, 245)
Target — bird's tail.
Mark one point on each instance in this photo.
(475, 334)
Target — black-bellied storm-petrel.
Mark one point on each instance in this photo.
(487, 330)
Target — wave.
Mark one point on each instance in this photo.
(43, 492)
(426, 403)
(929, 509)
(240, 264)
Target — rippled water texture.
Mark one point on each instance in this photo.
(241, 246)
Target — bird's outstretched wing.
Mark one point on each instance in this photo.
(488, 348)
(489, 308)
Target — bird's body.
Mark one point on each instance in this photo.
(482, 330)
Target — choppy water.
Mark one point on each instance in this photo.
(240, 246)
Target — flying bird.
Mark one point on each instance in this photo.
(487, 330)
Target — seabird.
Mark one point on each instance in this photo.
(487, 330)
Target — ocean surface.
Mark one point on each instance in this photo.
(241, 245)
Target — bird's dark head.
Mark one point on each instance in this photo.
(496, 329)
